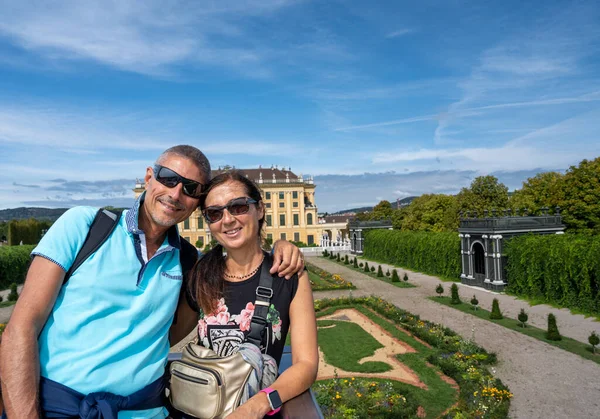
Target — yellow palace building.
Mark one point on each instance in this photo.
(291, 212)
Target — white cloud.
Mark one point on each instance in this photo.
(399, 33)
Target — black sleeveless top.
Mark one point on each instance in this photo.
(224, 330)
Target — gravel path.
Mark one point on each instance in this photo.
(547, 382)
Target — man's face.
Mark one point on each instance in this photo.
(166, 206)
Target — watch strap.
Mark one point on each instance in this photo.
(274, 409)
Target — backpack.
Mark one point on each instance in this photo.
(101, 228)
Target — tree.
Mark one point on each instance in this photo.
(387, 273)
(496, 314)
(338, 258)
(552, 333)
(594, 340)
(542, 190)
(485, 193)
(523, 317)
(367, 267)
(14, 295)
(439, 289)
(355, 264)
(431, 213)
(582, 195)
(379, 272)
(474, 302)
(405, 278)
(395, 277)
(455, 298)
(372, 268)
(382, 210)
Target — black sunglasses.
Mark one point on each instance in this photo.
(236, 206)
(170, 179)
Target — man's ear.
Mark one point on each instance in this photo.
(149, 172)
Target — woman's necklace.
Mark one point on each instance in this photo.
(248, 275)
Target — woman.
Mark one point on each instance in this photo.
(224, 290)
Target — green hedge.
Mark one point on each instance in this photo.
(26, 231)
(558, 269)
(14, 261)
(431, 253)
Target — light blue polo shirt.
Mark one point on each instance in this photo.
(108, 330)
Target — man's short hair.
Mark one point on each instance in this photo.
(191, 153)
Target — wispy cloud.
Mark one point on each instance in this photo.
(398, 33)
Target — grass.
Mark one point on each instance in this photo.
(347, 343)
(400, 284)
(7, 304)
(440, 395)
(568, 344)
(534, 301)
(327, 282)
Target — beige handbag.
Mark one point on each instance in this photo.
(207, 386)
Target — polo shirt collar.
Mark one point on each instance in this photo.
(133, 227)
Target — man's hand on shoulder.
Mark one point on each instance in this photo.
(287, 259)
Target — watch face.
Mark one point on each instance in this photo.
(274, 399)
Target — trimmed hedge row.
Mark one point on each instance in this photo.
(14, 262)
(427, 252)
(563, 269)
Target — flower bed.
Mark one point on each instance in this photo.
(321, 280)
(481, 394)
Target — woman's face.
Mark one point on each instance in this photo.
(234, 232)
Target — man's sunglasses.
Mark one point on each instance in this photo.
(237, 206)
(170, 179)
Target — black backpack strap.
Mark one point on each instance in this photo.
(264, 293)
(103, 225)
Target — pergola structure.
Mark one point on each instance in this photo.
(357, 232)
(482, 242)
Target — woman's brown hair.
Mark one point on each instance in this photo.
(206, 278)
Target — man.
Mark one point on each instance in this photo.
(105, 333)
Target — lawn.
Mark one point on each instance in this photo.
(7, 304)
(568, 344)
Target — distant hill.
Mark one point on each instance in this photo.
(403, 202)
(23, 213)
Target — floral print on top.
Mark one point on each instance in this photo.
(225, 328)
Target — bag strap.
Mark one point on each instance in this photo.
(103, 225)
(264, 293)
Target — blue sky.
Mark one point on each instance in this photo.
(377, 100)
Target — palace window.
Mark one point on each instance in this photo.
(281, 204)
(296, 237)
(295, 194)
(267, 195)
(281, 195)
(269, 220)
(200, 222)
(295, 204)
(296, 220)
(281, 219)
(309, 219)
(267, 205)
(283, 236)
(186, 224)
(310, 239)
(200, 242)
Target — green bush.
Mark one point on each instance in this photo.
(496, 314)
(361, 264)
(346, 261)
(558, 269)
(338, 257)
(355, 263)
(14, 262)
(26, 231)
(325, 253)
(431, 253)
(395, 277)
(387, 273)
(523, 317)
(405, 277)
(379, 272)
(372, 268)
(594, 340)
(366, 268)
(454, 294)
(474, 302)
(14, 295)
(439, 289)
(552, 333)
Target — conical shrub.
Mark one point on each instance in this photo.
(395, 277)
(552, 333)
(523, 317)
(405, 277)
(367, 267)
(379, 272)
(14, 295)
(355, 264)
(455, 298)
(496, 314)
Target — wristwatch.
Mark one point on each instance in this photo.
(274, 400)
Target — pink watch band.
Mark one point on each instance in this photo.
(267, 391)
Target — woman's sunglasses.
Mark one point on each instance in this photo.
(171, 179)
(237, 206)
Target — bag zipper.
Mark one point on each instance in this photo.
(189, 377)
(208, 370)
